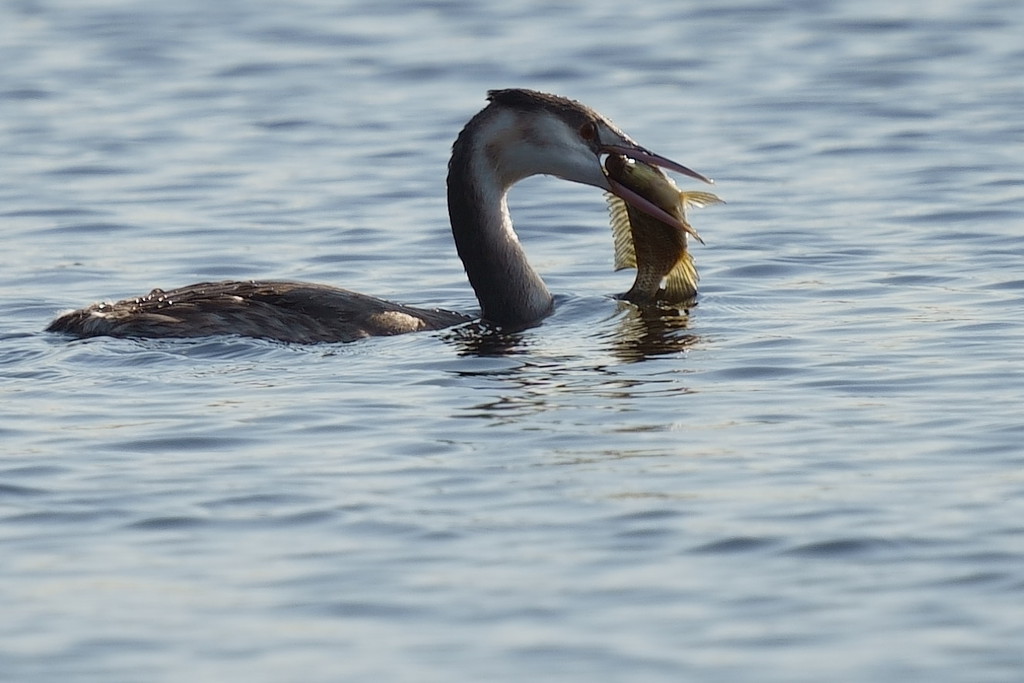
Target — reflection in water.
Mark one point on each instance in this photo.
(537, 380)
(651, 330)
(642, 332)
(480, 339)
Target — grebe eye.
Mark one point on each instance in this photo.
(588, 131)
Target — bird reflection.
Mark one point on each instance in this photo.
(481, 339)
(639, 333)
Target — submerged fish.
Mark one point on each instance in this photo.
(657, 251)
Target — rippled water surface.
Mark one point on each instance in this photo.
(817, 475)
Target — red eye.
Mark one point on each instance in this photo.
(588, 131)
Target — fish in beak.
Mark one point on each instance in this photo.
(655, 247)
(637, 200)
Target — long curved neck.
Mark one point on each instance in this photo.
(511, 293)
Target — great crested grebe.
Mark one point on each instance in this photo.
(520, 133)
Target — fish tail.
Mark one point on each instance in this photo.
(681, 281)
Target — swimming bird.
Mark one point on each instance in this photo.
(519, 133)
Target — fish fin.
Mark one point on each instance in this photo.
(622, 233)
(681, 281)
(698, 200)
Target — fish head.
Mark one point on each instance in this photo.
(653, 186)
(634, 175)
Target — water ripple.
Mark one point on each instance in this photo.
(818, 460)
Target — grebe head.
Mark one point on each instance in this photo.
(534, 133)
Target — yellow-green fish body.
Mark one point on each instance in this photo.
(657, 251)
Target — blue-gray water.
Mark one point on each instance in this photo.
(819, 476)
